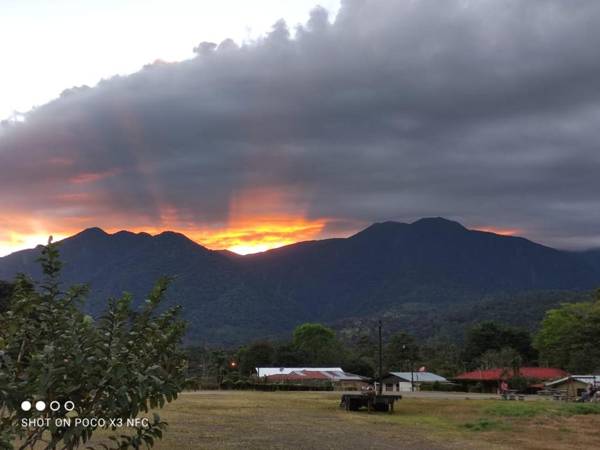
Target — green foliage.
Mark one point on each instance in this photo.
(489, 335)
(570, 337)
(506, 357)
(286, 354)
(125, 364)
(258, 354)
(360, 357)
(581, 408)
(517, 409)
(209, 367)
(483, 425)
(317, 342)
(5, 294)
(401, 352)
(520, 383)
(531, 409)
(441, 357)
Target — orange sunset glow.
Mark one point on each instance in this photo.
(242, 237)
(241, 234)
(13, 241)
(257, 220)
(253, 227)
(260, 235)
(500, 231)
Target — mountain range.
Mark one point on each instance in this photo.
(428, 277)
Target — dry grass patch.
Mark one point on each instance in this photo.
(307, 420)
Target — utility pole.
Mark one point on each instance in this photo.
(410, 363)
(380, 387)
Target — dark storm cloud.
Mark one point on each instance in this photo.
(483, 111)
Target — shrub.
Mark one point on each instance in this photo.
(126, 363)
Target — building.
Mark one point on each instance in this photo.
(404, 381)
(313, 376)
(268, 371)
(489, 380)
(574, 384)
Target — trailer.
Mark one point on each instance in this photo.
(380, 403)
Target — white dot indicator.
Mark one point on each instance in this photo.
(40, 405)
(26, 405)
(54, 406)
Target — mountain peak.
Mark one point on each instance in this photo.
(438, 222)
(173, 237)
(92, 232)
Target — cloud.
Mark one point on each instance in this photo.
(482, 111)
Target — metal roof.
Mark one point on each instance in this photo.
(268, 371)
(419, 377)
(312, 374)
(340, 375)
(587, 379)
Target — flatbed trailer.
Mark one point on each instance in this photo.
(382, 403)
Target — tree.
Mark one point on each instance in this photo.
(490, 335)
(440, 356)
(124, 364)
(286, 354)
(569, 337)
(255, 355)
(506, 357)
(5, 294)
(401, 352)
(318, 343)
(361, 358)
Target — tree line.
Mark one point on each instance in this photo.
(568, 337)
(316, 345)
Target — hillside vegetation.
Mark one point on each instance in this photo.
(430, 277)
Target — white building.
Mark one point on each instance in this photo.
(268, 371)
(404, 381)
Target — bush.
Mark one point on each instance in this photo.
(126, 363)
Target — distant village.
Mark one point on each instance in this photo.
(540, 380)
(494, 358)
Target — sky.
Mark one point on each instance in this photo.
(249, 125)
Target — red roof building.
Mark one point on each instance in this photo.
(535, 373)
(304, 375)
(490, 379)
(338, 378)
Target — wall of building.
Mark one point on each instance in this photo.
(391, 385)
(574, 388)
(348, 385)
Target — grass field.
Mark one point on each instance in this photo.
(259, 420)
(305, 420)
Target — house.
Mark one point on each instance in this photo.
(313, 376)
(489, 380)
(404, 381)
(574, 384)
(268, 371)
